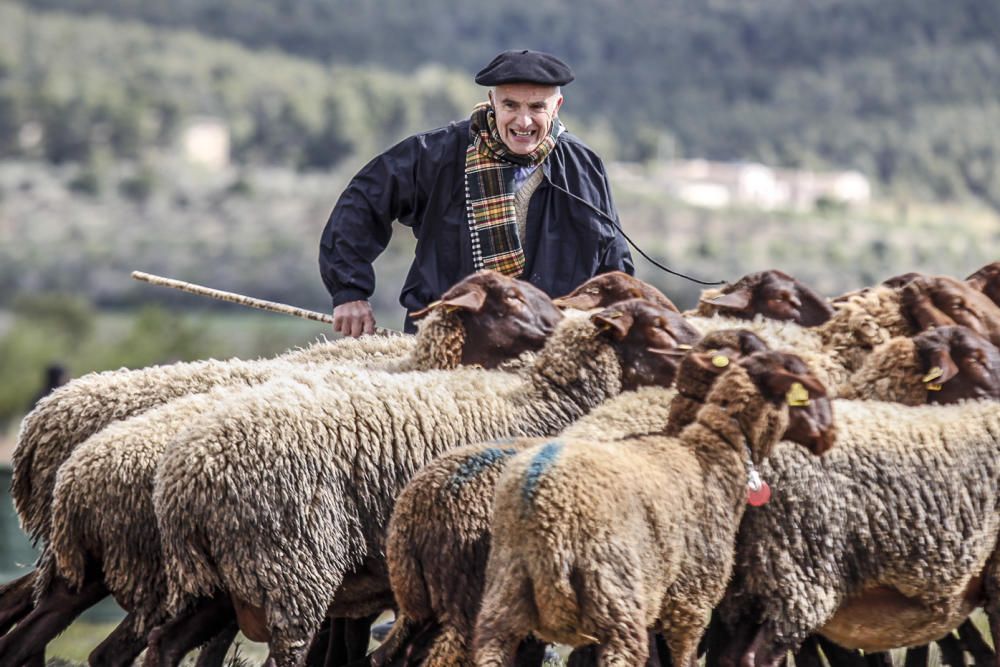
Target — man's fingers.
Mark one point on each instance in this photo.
(369, 325)
(357, 326)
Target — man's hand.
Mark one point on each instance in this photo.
(354, 318)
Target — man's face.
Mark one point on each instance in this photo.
(525, 113)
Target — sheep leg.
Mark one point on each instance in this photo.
(120, 648)
(917, 656)
(973, 642)
(213, 654)
(583, 656)
(16, 599)
(320, 646)
(349, 638)
(838, 656)
(170, 642)
(728, 642)
(993, 615)
(506, 618)
(878, 659)
(434, 646)
(622, 650)
(530, 653)
(764, 650)
(808, 654)
(399, 639)
(951, 651)
(53, 614)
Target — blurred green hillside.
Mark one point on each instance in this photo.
(906, 91)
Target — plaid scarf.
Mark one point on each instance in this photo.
(489, 192)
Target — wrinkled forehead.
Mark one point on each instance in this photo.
(524, 93)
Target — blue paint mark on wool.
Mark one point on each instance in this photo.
(540, 465)
(476, 463)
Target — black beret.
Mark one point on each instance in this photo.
(525, 66)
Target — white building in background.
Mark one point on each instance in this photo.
(205, 141)
(724, 184)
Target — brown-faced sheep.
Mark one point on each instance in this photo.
(900, 547)
(933, 301)
(866, 319)
(104, 536)
(307, 479)
(773, 294)
(596, 543)
(439, 535)
(612, 287)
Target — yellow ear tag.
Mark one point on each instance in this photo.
(720, 361)
(797, 396)
(932, 375)
(933, 387)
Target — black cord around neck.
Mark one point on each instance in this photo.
(630, 241)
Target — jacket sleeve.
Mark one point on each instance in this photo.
(360, 226)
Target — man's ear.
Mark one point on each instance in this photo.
(489, 94)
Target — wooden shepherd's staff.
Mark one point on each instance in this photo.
(232, 297)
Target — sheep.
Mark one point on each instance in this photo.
(595, 542)
(931, 301)
(920, 369)
(987, 281)
(892, 553)
(773, 294)
(864, 320)
(438, 537)
(307, 479)
(117, 532)
(612, 287)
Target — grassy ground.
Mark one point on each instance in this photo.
(72, 647)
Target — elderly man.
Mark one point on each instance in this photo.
(508, 189)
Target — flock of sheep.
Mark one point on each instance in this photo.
(599, 471)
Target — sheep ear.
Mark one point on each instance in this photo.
(919, 306)
(815, 309)
(473, 301)
(417, 314)
(738, 299)
(613, 321)
(976, 281)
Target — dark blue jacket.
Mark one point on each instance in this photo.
(421, 183)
